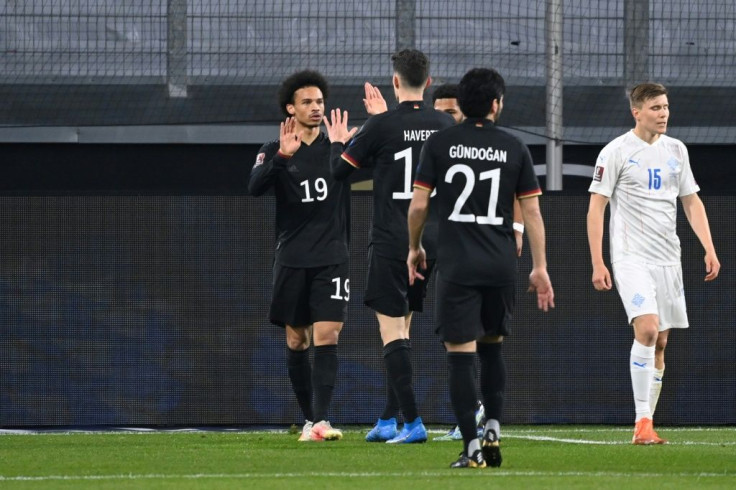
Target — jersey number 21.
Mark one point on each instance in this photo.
(457, 215)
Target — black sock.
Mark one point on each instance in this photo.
(492, 379)
(300, 374)
(323, 379)
(399, 373)
(461, 379)
(392, 403)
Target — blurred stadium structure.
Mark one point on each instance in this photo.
(72, 64)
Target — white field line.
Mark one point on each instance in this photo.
(376, 474)
(506, 432)
(506, 435)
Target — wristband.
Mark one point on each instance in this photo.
(519, 227)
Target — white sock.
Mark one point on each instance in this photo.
(473, 446)
(641, 365)
(655, 389)
(495, 425)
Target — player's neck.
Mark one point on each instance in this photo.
(404, 95)
(309, 134)
(646, 136)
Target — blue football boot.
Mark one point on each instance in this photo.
(382, 431)
(413, 432)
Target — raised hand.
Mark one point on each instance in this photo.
(289, 139)
(374, 101)
(337, 127)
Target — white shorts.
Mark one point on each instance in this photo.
(652, 289)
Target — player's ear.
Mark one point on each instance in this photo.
(395, 80)
(290, 109)
(495, 105)
(429, 82)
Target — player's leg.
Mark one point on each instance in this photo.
(636, 284)
(463, 397)
(458, 325)
(386, 293)
(411, 297)
(300, 373)
(329, 295)
(672, 315)
(641, 365)
(658, 372)
(498, 306)
(290, 309)
(400, 373)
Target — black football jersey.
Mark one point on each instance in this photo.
(476, 169)
(312, 208)
(390, 143)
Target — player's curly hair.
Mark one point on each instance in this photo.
(645, 91)
(300, 79)
(412, 66)
(477, 91)
(446, 91)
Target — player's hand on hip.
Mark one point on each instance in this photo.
(601, 278)
(416, 260)
(540, 283)
(712, 266)
(374, 101)
(289, 138)
(337, 127)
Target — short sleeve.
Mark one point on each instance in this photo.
(687, 179)
(605, 173)
(426, 176)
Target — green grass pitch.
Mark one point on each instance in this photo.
(558, 456)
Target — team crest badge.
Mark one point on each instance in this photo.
(260, 158)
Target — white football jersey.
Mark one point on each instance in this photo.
(643, 183)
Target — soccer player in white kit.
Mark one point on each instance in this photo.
(642, 173)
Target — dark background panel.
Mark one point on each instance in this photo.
(151, 311)
(101, 169)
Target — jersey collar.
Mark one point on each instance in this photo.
(479, 122)
(410, 105)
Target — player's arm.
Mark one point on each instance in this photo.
(339, 134)
(698, 219)
(539, 278)
(518, 226)
(358, 151)
(417, 217)
(596, 212)
(374, 101)
(270, 163)
(265, 171)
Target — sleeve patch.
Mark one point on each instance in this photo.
(598, 173)
(260, 158)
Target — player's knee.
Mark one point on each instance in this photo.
(327, 333)
(297, 339)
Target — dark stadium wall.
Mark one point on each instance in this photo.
(135, 283)
(212, 169)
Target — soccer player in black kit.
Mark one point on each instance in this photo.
(311, 287)
(390, 142)
(476, 168)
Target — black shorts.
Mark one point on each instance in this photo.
(304, 296)
(467, 313)
(388, 292)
